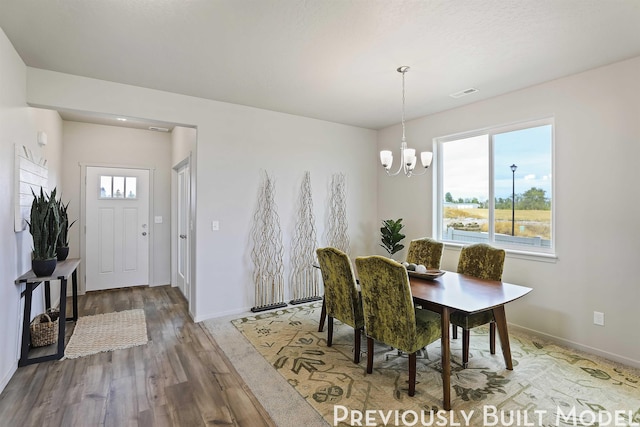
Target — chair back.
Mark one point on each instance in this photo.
(389, 313)
(340, 293)
(482, 261)
(425, 251)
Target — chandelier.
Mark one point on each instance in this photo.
(407, 155)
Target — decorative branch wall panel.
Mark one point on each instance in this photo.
(267, 252)
(338, 236)
(304, 276)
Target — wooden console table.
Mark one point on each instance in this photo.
(63, 270)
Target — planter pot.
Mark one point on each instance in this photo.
(62, 253)
(43, 267)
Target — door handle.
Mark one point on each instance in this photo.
(144, 233)
(183, 236)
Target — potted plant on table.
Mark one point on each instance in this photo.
(62, 249)
(391, 235)
(44, 226)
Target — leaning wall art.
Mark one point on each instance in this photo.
(267, 252)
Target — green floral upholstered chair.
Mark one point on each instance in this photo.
(389, 314)
(425, 251)
(485, 262)
(341, 297)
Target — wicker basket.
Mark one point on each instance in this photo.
(44, 328)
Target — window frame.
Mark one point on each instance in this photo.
(438, 191)
(125, 178)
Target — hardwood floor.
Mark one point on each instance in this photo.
(180, 378)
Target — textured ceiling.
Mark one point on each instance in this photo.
(329, 59)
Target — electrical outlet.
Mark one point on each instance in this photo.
(598, 318)
(215, 225)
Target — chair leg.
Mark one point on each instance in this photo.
(492, 337)
(356, 345)
(465, 347)
(369, 355)
(454, 332)
(329, 331)
(412, 374)
(323, 314)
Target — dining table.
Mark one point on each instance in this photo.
(452, 292)
(448, 292)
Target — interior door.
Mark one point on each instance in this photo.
(183, 187)
(117, 231)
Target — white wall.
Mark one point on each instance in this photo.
(597, 147)
(19, 124)
(92, 144)
(183, 143)
(49, 121)
(234, 144)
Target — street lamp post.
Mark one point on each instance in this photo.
(513, 199)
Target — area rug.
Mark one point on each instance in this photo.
(550, 385)
(107, 332)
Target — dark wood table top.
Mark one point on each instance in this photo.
(465, 293)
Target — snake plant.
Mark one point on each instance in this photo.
(44, 224)
(63, 237)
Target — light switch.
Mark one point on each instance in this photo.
(158, 220)
(215, 225)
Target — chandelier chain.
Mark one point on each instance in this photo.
(403, 72)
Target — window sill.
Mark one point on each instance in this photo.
(513, 253)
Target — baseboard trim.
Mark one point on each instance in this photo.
(7, 377)
(210, 316)
(587, 349)
(239, 311)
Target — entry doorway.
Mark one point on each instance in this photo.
(117, 229)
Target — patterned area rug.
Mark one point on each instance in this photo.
(107, 332)
(549, 386)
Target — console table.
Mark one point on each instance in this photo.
(63, 270)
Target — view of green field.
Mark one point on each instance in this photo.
(528, 223)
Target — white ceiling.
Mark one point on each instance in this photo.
(334, 60)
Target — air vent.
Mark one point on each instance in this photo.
(464, 93)
(158, 129)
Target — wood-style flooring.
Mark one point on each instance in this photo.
(180, 378)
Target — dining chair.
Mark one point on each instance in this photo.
(485, 262)
(389, 314)
(425, 251)
(342, 300)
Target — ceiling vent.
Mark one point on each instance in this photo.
(464, 92)
(158, 129)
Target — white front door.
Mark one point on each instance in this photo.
(182, 276)
(117, 230)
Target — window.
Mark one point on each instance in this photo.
(118, 187)
(495, 186)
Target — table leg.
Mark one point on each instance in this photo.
(62, 317)
(501, 323)
(446, 358)
(26, 320)
(74, 290)
(47, 295)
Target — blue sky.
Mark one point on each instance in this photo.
(468, 177)
(530, 150)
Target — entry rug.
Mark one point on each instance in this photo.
(550, 385)
(107, 332)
